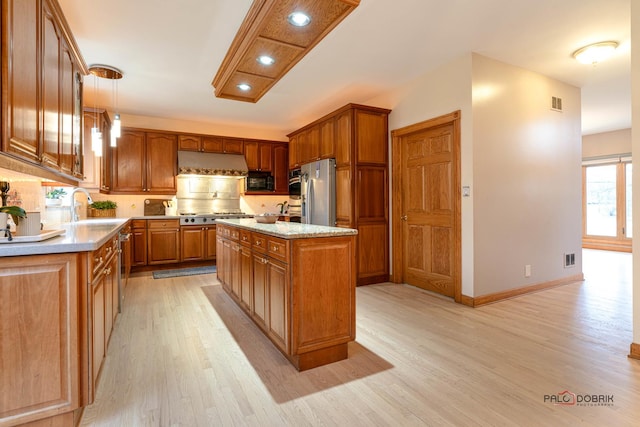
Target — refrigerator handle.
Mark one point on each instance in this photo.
(310, 202)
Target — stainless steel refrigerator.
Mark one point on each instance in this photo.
(318, 192)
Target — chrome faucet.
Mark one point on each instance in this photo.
(74, 214)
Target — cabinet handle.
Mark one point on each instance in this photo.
(275, 248)
(258, 243)
(264, 261)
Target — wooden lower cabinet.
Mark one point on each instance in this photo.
(301, 292)
(41, 337)
(163, 241)
(138, 242)
(197, 243)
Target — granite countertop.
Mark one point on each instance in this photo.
(289, 230)
(81, 236)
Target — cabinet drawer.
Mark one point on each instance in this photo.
(162, 223)
(97, 261)
(139, 223)
(278, 248)
(245, 237)
(258, 242)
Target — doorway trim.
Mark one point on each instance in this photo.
(397, 136)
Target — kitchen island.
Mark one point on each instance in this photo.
(296, 282)
(58, 304)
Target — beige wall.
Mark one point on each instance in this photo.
(438, 92)
(527, 176)
(606, 143)
(635, 142)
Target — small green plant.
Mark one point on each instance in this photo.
(56, 193)
(103, 204)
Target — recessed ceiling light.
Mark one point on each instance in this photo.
(244, 87)
(299, 19)
(266, 60)
(595, 53)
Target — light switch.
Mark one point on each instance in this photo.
(466, 191)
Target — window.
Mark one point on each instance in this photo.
(607, 204)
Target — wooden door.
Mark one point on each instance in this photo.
(280, 170)
(278, 303)
(210, 242)
(427, 205)
(246, 278)
(266, 157)
(260, 290)
(192, 243)
(50, 90)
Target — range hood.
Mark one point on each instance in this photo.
(196, 163)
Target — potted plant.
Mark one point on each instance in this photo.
(15, 211)
(102, 208)
(53, 197)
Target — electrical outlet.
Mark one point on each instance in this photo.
(527, 270)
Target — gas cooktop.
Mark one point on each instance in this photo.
(192, 218)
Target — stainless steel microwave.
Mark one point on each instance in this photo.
(259, 181)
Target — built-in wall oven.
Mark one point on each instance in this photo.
(295, 187)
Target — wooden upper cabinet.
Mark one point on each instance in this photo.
(293, 152)
(41, 74)
(212, 144)
(50, 90)
(232, 146)
(371, 137)
(20, 95)
(145, 162)
(161, 163)
(128, 165)
(343, 138)
(259, 155)
(190, 142)
(327, 139)
(280, 170)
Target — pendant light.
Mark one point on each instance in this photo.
(113, 74)
(96, 134)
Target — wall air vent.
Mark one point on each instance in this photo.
(556, 103)
(569, 260)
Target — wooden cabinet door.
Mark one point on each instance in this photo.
(210, 242)
(190, 142)
(50, 90)
(280, 169)
(219, 264)
(252, 155)
(67, 110)
(246, 278)
(98, 318)
(39, 318)
(128, 172)
(108, 306)
(138, 246)
(327, 138)
(343, 138)
(163, 242)
(161, 162)
(232, 146)
(260, 290)
(265, 163)
(192, 243)
(278, 301)
(212, 144)
(20, 78)
(293, 152)
(236, 270)
(225, 265)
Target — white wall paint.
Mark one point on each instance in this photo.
(527, 175)
(606, 143)
(438, 92)
(635, 142)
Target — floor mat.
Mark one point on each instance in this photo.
(163, 274)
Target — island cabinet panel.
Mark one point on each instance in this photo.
(39, 304)
(301, 290)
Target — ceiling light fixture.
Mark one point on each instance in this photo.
(299, 19)
(266, 60)
(244, 87)
(113, 74)
(266, 29)
(594, 53)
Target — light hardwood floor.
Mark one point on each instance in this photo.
(182, 353)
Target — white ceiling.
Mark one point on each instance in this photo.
(170, 50)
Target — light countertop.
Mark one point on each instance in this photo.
(288, 230)
(81, 236)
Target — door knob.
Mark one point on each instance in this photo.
(403, 217)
